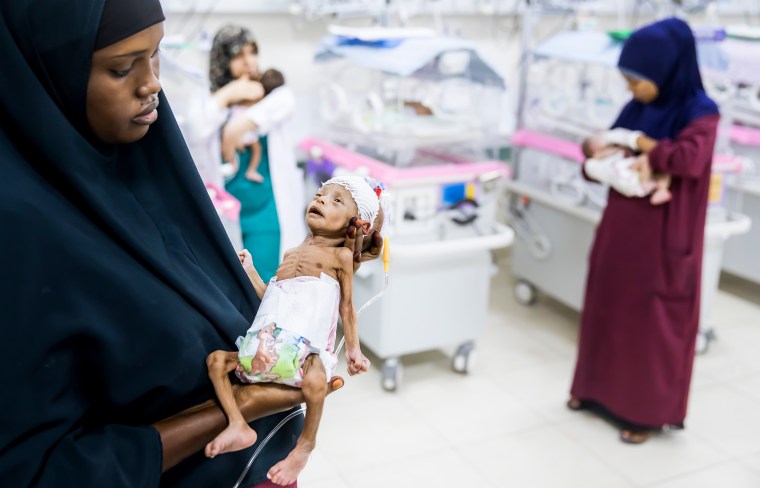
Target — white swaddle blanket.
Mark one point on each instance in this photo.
(305, 305)
(615, 171)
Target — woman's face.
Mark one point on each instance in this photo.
(644, 91)
(245, 63)
(122, 92)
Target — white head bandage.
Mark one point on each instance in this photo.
(363, 194)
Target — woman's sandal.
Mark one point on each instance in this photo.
(575, 404)
(634, 436)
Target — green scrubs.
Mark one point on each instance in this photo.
(258, 213)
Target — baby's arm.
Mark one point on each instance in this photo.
(357, 363)
(247, 261)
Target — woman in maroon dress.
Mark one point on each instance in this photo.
(641, 312)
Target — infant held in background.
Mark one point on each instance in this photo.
(612, 165)
(270, 80)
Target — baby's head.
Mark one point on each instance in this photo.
(270, 80)
(342, 198)
(593, 147)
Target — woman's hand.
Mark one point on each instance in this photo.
(241, 90)
(363, 249)
(261, 399)
(232, 136)
(188, 432)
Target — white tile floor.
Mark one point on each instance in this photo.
(505, 425)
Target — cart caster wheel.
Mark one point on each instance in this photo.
(392, 373)
(704, 338)
(465, 359)
(525, 293)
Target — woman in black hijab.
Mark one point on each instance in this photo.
(118, 278)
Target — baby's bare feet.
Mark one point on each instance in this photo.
(659, 197)
(286, 471)
(231, 439)
(254, 176)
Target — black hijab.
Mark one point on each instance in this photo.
(121, 19)
(118, 278)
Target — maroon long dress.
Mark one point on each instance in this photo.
(641, 311)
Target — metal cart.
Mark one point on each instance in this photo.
(441, 256)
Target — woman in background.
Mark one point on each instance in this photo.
(641, 313)
(271, 214)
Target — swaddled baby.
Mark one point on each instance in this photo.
(612, 165)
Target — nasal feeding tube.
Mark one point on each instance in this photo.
(302, 410)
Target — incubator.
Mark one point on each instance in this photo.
(401, 94)
(569, 89)
(418, 115)
(742, 81)
(742, 257)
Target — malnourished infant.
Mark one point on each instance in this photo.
(292, 339)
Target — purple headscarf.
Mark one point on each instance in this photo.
(665, 53)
